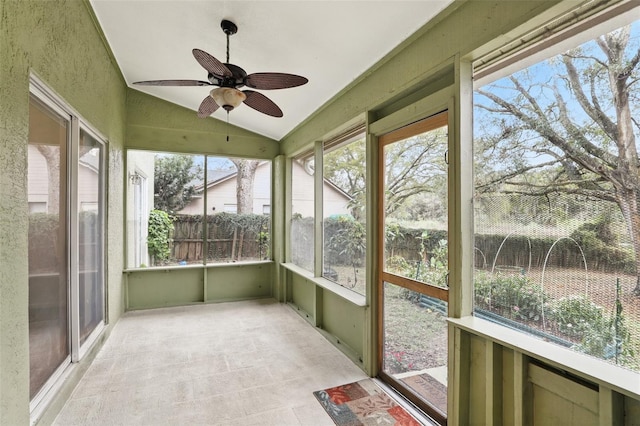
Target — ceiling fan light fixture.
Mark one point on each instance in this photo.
(228, 97)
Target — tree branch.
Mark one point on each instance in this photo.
(593, 111)
(544, 129)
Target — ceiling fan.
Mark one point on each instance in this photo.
(228, 77)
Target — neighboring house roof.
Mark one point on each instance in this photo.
(337, 188)
(91, 161)
(215, 177)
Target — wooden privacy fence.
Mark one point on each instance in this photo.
(503, 250)
(516, 250)
(230, 237)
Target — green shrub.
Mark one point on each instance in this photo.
(597, 334)
(575, 315)
(159, 237)
(433, 272)
(512, 296)
(44, 239)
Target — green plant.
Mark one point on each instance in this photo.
(399, 265)
(575, 315)
(350, 243)
(159, 236)
(263, 243)
(512, 296)
(173, 177)
(393, 235)
(435, 272)
(597, 334)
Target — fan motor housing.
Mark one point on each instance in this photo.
(236, 79)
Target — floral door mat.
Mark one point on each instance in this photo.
(363, 403)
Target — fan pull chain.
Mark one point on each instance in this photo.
(227, 126)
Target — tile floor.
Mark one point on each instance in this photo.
(241, 363)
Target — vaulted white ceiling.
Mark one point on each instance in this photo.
(330, 42)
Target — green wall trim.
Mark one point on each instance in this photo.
(157, 125)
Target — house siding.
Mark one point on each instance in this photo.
(302, 202)
(224, 193)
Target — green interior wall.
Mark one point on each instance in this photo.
(59, 42)
(345, 321)
(158, 125)
(239, 282)
(302, 293)
(156, 288)
(167, 287)
(512, 378)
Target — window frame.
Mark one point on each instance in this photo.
(229, 208)
(353, 135)
(571, 34)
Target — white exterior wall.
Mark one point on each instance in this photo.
(142, 163)
(225, 193)
(38, 181)
(38, 191)
(335, 202)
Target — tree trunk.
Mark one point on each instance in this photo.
(631, 213)
(240, 244)
(244, 188)
(51, 155)
(233, 244)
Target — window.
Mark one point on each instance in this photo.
(170, 218)
(66, 190)
(162, 211)
(344, 221)
(557, 244)
(238, 188)
(302, 212)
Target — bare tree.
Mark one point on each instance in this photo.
(413, 166)
(580, 125)
(245, 183)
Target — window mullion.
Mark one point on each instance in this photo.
(74, 240)
(318, 200)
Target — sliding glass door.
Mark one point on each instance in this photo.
(49, 348)
(90, 234)
(66, 196)
(413, 262)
